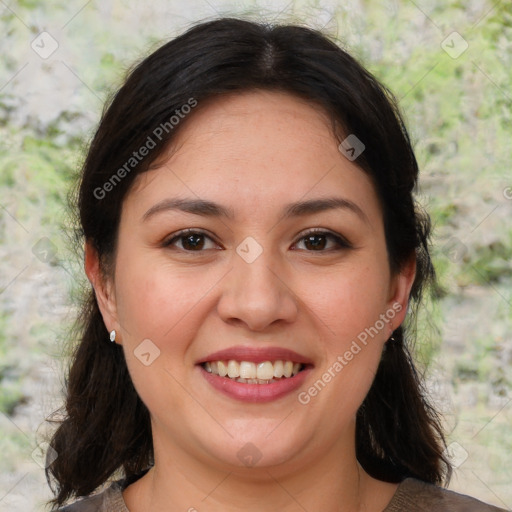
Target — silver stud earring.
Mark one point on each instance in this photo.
(112, 336)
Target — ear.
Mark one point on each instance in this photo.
(400, 290)
(103, 288)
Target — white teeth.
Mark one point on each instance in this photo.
(248, 372)
(278, 369)
(233, 369)
(265, 371)
(222, 368)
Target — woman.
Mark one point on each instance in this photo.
(253, 247)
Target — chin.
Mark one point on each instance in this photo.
(256, 451)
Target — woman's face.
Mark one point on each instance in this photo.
(285, 261)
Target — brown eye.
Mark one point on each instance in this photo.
(191, 241)
(315, 242)
(321, 241)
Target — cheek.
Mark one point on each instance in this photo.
(350, 301)
(158, 314)
(349, 307)
(153, 298)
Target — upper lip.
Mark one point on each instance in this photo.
(256, 355)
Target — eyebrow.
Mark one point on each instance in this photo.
(207, 208)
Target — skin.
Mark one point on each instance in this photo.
(252, 153)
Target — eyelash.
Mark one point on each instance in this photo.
(342, 242)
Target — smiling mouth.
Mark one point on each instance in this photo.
(247, 372)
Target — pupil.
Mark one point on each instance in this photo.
(316, 241)
(193, 242)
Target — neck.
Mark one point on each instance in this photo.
(329, 481)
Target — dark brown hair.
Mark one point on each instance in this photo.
(398, 433)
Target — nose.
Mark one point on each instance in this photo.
(256, 296)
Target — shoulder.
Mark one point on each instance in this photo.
(110, 500)
(420, 496)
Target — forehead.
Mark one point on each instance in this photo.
(253, 121)
(255, 148)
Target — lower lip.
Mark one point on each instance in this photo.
(255, 392)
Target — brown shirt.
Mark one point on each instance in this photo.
(411, 496)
